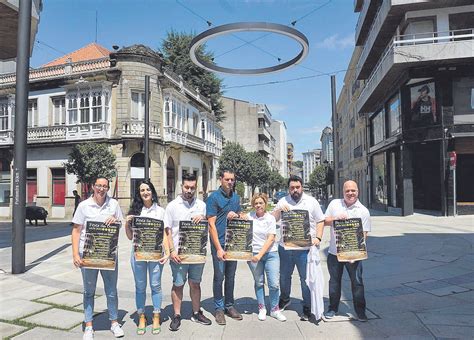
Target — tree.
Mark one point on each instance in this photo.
(175, 49)
(234, 157)
(298, 164)
(276, 181)
(258, 171)
(320, 178)
(91, 160)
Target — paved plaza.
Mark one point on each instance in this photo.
(419, 281)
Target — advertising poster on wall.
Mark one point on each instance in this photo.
(423, 111)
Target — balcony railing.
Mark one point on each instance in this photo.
(136, 128)
(175, 135)
(61, 133)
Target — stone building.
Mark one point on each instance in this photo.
(94, 95)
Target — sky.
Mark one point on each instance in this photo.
(304, 104)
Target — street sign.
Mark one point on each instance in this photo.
(452, 160)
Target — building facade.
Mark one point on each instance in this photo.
(290, 158)
(278, 129)
(327, 146)
(311, 159)
(416, 84)
(94, 95)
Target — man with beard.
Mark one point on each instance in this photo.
(297, 200)
(184, 208)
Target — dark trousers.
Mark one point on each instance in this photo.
(354, 270)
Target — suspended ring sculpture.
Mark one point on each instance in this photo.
(290, 32)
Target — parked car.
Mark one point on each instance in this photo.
(36, 213)
(279, 195)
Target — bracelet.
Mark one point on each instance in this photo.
(319, 238)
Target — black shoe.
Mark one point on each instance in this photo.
(200, 318)
(283, 304)
(362, 317)
(306, 314)
(175, 323)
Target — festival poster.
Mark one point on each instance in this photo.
(296, 229)
(350, 240)
(192, 246)
(100, 246)
(147, 238)
(238, 240)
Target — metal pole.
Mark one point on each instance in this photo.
(147, 127)
(20, 138)
(455, 200)
(335, 141)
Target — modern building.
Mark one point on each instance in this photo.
(278, 130)
(94, 95)
(249, 124)
(326, 145)
(9, 17)
(290, 158)
(311, 159)
(416, 75)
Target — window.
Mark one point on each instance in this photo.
(84, 107)
(59, 186)
(138, 105)
(59, 111)
(4, 126)
(72, 109)
(393, 111)
(96, 107)
(32, 113)
(463, 97)
(31, 185)
(173, 111)
(203, 129)
(5, 182)
(167, 112)
(377, 127)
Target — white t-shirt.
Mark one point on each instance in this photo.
(357, 210)
(155, 211)
(308, 203)
(89, 210)
(180, 210)
(262, 226)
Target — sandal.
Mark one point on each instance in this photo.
(156, 327)
(141, 329)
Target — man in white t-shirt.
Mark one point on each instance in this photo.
(185, 207)
(340, 209)
(289, 258)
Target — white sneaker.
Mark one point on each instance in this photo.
(117, 330)
(277, 314)
(88, 333)
(262, 314)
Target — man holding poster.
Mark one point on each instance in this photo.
(342, 209)
(185, 207)
(296, 211)
(97, 208)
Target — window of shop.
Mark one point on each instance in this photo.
(393, 112)
(423, 112)
(377, 128)
(138, 105)
(59, 186)
(31, 186)
(5, 182)
(379, 185)
(463, 96)
(59, 110)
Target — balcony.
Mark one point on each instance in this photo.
(177, 136)
(367, 11)
(404, 52)
(263, 132)
(60, 133)
(136, 129)
(264, 148)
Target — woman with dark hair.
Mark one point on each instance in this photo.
(145, 203)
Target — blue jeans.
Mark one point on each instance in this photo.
(354, 270)
(288, 260)
(270, 265)
(223, 270)
(140, 269)
(89, 278)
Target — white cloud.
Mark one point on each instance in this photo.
(334, 42)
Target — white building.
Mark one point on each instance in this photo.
(278, 130)
(311, 159)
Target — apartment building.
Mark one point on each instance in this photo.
(311, 159)
(327, 145)
(416, 84)
(94, 95)
(290, 158)
(278, 129)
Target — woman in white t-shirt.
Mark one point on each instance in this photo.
(145, 203)
(265, 258)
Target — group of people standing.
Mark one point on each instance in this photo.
(270, 263)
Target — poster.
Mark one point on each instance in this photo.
(100, 246)
(296, 229)
(350, 241)
(238, 240)
(192, 247)
(147, 238)
(423, 106)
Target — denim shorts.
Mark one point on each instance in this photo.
(182, 271)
